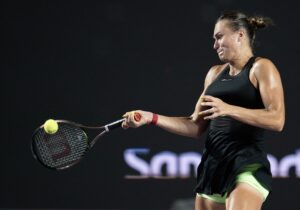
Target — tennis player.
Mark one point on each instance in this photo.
(242, 97)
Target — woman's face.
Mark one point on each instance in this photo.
(227, 41)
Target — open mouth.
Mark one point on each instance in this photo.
(220, 52)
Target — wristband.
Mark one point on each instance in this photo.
(154, 119)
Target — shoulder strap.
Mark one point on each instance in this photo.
(249, 64)
(223, 72)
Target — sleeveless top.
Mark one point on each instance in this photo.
(231, 145)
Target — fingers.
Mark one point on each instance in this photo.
(125, 125)
(208, 104)
(205, 98)
(210, 117)
(214, 107)
(125, 115)
(211, 114)
(208, 101)
(132, 119)
(208, 111)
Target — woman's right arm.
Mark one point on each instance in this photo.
(192, 126)
(184, 126)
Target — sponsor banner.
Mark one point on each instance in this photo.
(167, 164)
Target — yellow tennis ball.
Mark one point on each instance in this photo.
(50, 126)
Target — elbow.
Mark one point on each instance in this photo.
(278, 127)
(278, 121)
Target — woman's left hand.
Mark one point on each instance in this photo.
(217, 107)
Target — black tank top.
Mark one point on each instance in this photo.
(237, 90)
(230, 144)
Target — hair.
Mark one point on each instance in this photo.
(251, 24)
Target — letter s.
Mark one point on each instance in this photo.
(135, 162)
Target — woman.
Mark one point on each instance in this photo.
(241, 98)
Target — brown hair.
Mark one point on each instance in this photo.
(251, 24)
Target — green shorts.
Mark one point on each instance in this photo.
(244, 177)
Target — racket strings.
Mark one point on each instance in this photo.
(62, 149)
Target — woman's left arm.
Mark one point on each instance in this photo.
(272, 117)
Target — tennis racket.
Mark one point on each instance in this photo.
(69, 144)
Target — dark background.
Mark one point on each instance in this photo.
(91, 61)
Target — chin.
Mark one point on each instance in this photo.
(223, 59)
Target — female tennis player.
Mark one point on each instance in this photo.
(242, 97)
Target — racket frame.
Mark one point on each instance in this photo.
(105, 129)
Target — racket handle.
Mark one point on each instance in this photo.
(137, 116)
(118, 123)
(114, 125)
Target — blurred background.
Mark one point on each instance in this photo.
(91, 61)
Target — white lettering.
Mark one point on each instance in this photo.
(136, 162)
(167, 164)
(186, 160)
(169, 159)
(288, 162)
(274, 165)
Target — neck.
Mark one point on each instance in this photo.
(237, 64)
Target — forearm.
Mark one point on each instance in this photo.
(264, 118)
(183, 126)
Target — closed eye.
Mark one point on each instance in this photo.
(218, 36)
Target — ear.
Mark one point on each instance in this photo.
(241, 34)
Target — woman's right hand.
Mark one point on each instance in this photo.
(137, 118)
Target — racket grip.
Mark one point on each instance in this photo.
(137, 116)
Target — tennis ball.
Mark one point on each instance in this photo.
(50, 126)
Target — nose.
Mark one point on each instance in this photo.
(216, 45)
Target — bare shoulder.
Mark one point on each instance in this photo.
(264, 66)
(265, 72)
(213, 72)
